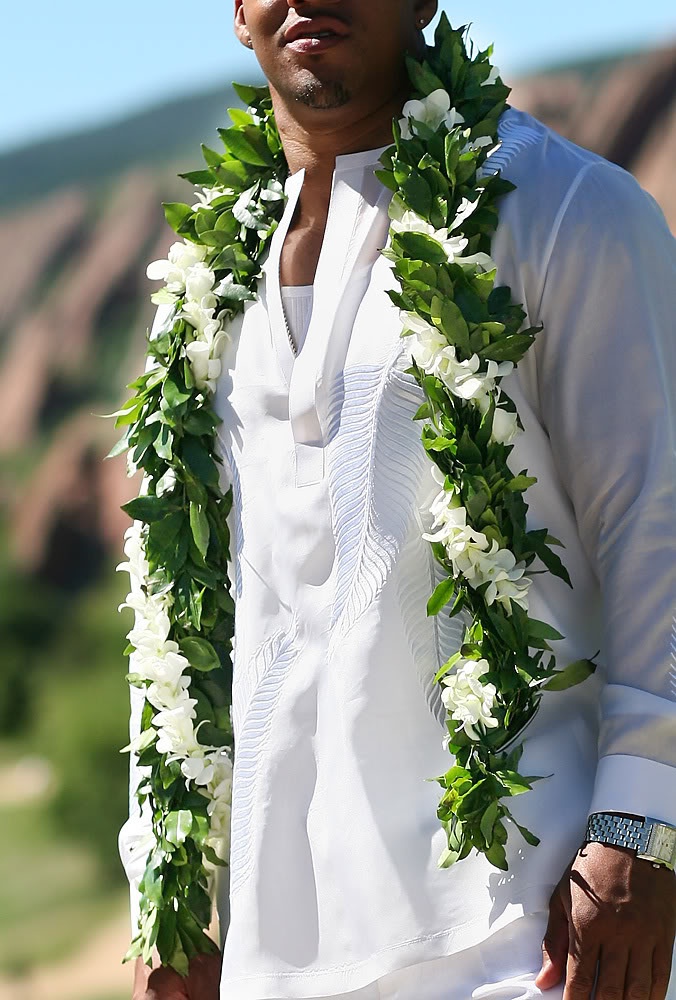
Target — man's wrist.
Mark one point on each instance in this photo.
(651, 839)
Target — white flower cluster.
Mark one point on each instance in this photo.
(433, 111)
(469, 701)
(464, 378)
(185, 274)
(159, 664)
(479, 560)
(206, 195)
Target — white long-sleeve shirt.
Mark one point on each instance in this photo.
(334, 880)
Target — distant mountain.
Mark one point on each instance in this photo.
(162, 133)
(82, 218)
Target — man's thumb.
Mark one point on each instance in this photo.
(554, 945)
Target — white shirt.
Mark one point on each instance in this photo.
(334, 881)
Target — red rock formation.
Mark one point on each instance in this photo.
(31, 240)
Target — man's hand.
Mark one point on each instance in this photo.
(616, 912)
(201, 983)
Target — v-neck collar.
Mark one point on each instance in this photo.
(356, 204)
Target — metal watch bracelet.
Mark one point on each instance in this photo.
(652, 840)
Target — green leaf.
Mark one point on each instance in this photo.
(529, 837)
(119, 448)
(177, 826)
(441, 596)
(178, 959)
(516, 783)
(199, 461)
(216, 238)
(200, 652)
(239, 117)
(147, 508)
(164, 442)
(574, 673)
(454, 325)
(203, 178)
(488, 821)
(176, 213)
(418, 246)
(416, 192)
(422, 77)
(520, 483)
(448, 857)
(166, 935)
(201, 421)
(174, 392)
(423, 412)
(248, 145)
(211, 736)
(503, 628)
(497, 857)
(253, 97)
(541, 630)
(510, 348)
(199, 525)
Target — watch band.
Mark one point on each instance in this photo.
(651, 839)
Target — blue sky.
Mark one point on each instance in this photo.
(78, 63)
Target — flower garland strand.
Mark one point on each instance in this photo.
(465, 336)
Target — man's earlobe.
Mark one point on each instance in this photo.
(241, 29)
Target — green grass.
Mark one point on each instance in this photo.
(50, 897)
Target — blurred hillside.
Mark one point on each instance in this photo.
(79, 221)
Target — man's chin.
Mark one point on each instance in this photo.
(323, 96)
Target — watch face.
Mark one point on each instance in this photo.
(662, 843)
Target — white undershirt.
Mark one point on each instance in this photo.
(297, 303)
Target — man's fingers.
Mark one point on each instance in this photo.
(613, 975)
(205, 977)
(581, 972)
(554, 945)
(661, 971)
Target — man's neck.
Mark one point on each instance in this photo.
(312, 141)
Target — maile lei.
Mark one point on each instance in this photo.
(465, 336)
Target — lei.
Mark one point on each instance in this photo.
(465, 335)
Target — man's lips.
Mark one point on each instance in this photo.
(314, 34)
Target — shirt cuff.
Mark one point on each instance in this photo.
(636, 785)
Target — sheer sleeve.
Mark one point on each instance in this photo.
(607, 371)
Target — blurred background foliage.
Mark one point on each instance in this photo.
(79, 220)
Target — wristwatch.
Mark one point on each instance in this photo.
(651, 839)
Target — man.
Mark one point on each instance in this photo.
(334, 885)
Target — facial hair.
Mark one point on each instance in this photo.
(323, 96)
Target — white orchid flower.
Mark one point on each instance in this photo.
(432, 111)
(205, 369)
(173, 270)
(169, 668)
(500, 570)
(176, 732)
(492, 77)
(426, 341)
(206, 196)
(469, 701)
(199, 282)
(198, 768)
(198, 313)
(465, 209)
(505, 426)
